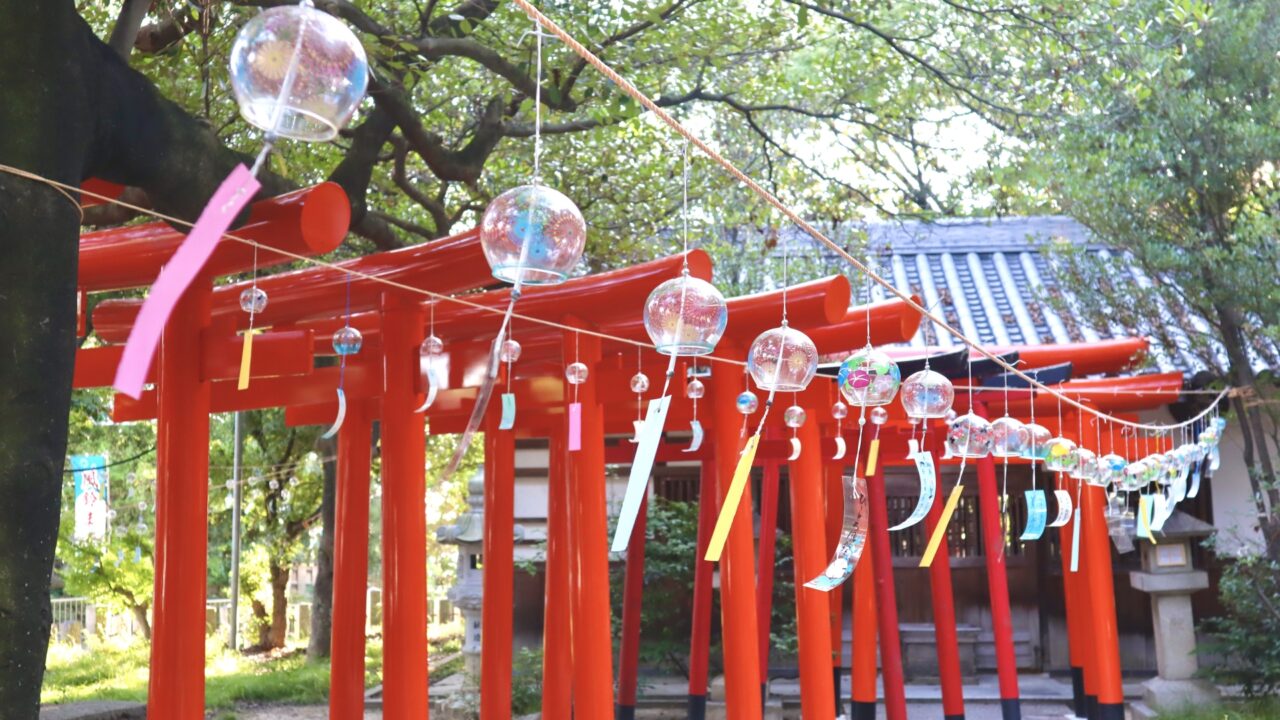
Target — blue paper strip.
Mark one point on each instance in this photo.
(1037, 515)
(638, 483)
(928, 490)
(508, 420)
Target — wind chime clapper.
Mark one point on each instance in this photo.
(297, 73)
(684, 317)
(531, 235)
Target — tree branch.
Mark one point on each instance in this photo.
(128, 22)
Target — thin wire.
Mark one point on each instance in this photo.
(537, 113)
(631, 90)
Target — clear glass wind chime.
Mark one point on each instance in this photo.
(531, 235)
(684, 317)
(297, 73)
(969, 438)
(781, 359)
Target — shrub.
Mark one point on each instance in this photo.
(1247, 636)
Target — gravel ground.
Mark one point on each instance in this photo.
(280, 712)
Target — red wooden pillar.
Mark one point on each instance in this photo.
(1095, 564)
(817, 695)
(768, 551)
(632, 596)
(1076, 611)
(497, 620)
(737, 565)
(998, 583)
(833, 490)
(350, 566)
(557, 648)
(895, 695)
(700, 632)
(404, 546)
(863, 657)
(592, 637)
(176, 688)
(944, 615)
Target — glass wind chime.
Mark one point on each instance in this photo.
(782, 359)
(346, 342)
(297, 73)
(531, 235)
(684, 317)
(867, 378)
(926, 395)
(430, 359)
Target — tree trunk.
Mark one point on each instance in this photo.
(43, 129)
(140, 617)
(1257, 454)
(322, 598)
(263, 624)
(279, 605)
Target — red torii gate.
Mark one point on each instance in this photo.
(199, 359)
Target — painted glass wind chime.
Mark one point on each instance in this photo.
(531, 235)
(297, 73)
(684, 317)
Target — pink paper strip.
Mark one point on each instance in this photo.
(575, 427)
(232, 195)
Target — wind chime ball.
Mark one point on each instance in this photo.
(839, 411)
(253, 300)
(639, 383)
(869, 378)
(432, 345)
(1059, 456)
(111, 514)
(1111, 469)
(950, 416)
(542, 219)
(347, 340)
(969, 436)
(576, 373)
(685, 316)
(285, 495)
(274, 484)
(1156, 468)
(230, 484)
(510, 351)
(748, 402)
(142, 506)
(794, 416)
(141, 526)
(1084, 464)
(1038, 437)
(879, 416)
(1134, 477)
(927, 394)
(695, 389)
(782, 359)
(298, 72)
(1009, 437)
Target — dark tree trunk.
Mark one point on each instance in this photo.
(322, 598)
(279, 605)
(140, 616)
(43, 129)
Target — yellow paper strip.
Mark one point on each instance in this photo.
(731, 500)
(1144, 519)
(246, 359)
(938, 532)
(872, 456)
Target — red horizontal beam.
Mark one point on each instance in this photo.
(307, 222)
(891, 321)
(1086, 358)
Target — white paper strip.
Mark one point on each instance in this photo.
(638, 483)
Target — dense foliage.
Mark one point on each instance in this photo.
(1244, 638)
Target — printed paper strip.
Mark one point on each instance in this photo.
(731, 499)
(928, 490)
(177, 275)
(1063, 498)
(853, 537)
(1075, 542)
(941, 529)
(1037, 514)
(695, 442)
(641, 467)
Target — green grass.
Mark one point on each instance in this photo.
(1265, 709)
(117, 672)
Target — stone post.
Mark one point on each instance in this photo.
(1168, 576)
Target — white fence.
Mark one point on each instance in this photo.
(77, 619)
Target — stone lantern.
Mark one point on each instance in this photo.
(468, 593)
(1168, 577)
